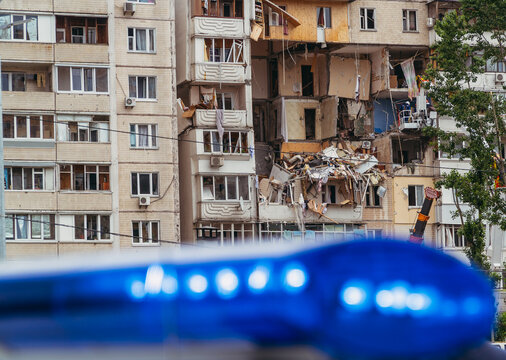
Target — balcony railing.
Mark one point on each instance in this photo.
(219, 72)
(231, 118)
(214, 26)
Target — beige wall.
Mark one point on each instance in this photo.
(404, 214)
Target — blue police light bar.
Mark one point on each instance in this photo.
(360, 299)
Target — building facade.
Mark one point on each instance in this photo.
(91, 156)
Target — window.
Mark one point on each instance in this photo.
(18, 27)
(225, 101)
(367, 19)
(276, 19)
(143, 136)
(415, 195)
(372, 198)
(85, 128)
(142, 87)
(84, 177)
(145, 184)
(456, 152)
(29, 227)
(495, 66)
(223, 50)
(141, 40)
(233, 142)
(142, 1)
(78, 35)
(28, 126)
(81, 30)
(92, 227)
(222, 8)
(374, 234)
(21, 178)
(145, 232)
(409, 20)
(225, 187)
(82, 79)
(13, 81)
(323, 18)
(452, 237)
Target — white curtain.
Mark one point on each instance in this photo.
(140, 40)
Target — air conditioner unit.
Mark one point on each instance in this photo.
(129, 102)
(431, 22)
(499, 78)
(144, 200)
(128, 8)
(366, 145)
(216, 161)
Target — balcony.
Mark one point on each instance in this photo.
(77, 151)
(95, 53)
(26, 51)
(84, 201)
(218, 72)
(210, 211)
(30, 200)
(231, 118)
(82, 102)
(218, 26)
(283, 213)
(28, 100)
(83, 7)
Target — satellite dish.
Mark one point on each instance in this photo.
(241, 203)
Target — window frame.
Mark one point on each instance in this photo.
(225, 180)
(406, 24)
(363, 19)
(236, 52)
(151, 192)
(25, 27)
(79, 126)
(372, 196)
(417, 201)
(83, 36)
(135, 134)
(12, 217)
(214, 134)
(150, 35)
(10, 80)
(28, 119)
(327, 17)
(143, 2)
(8, 171)
(147, 98)
(82, 69)
(149, 241)
(86, 231)
(72, 173)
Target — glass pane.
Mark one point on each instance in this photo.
(9, 227)
(18, 30)
(104, 178)
(17, 178)
(8, 126)
(7, 178)
(133, 141)
(92, 36)
(22, 226)
(76, 79)
(151, 40)
(135, 231)
(140, 40)
(419, 195)
(152, 87)
(154, 232)
(244, 143)
(143, 135)
(78, 177)
(5, 33)
(34, 127)
(155, 183)
(153, 135)
(102, 80)
(5, 82)
(132, 86)
(412, 20)
(141, 87)
(145, 231)
(144, 184)
(21, 126)
(216, 141)
(31, 28)
(63, 78)
(38, 180)
(27, 179)
(91, 179)
(244, 187)
(48, 126)
(105, 227)
(36, 226)
(48, 227)
(219, 188)
(231, 188)
(18, 82)
(134, 184)
(207, 141)
(91, 227)
(88, 79)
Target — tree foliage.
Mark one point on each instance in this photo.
(467, 40)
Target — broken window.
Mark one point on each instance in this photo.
(415, 195)
(18, 27)
(406, 150)
(323, 18)
(227, 188)
(372, 198)
(225, 101)
(367, 19)
(307, 80)
(309, 120)
(233, 142)
(224, 50)
(409, 20)
(453, 238)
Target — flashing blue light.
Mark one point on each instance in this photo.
(471, 306)
(384, 298)
(137, 289)
(258, 279)
(355, 295)
(227, 283)
(197, 284)
(169, 284)
(154, 279)
(295, 278)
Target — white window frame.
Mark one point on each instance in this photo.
(327, 23)
(89, 127)
(25, 31)
(82, 91)
(143, 2)
(374, 233)
(237, 188)
(147, 98)
(221, 97)
(61, 31)
(363, 19)
(29, 128)
(418, 202)
(152, 192)
(232, 150)
(406, 22)
(85, 228)
(370, 196)
(85, 173)
(150, 38)
(151, 135)
(452, 231)
(234, 56)
(83, 36)
(40, 171)
(42, 219)
(143, 241)
(9, 80)
(326, 194)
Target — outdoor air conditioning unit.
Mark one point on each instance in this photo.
(431, 22)
(366, 145)
(128, 8)
(216, 161)
(499, 78)
(144, 200)
(129, 102)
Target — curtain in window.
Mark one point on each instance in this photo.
(320, 17)
(143, 135)
(22, 226)
(5, 34)
(140, 40)
(9, 227)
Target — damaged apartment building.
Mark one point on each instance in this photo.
(327, 94)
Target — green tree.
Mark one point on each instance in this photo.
(468, 40)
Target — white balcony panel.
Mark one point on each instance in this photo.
(219, 72)
(231, 118)
(211, 26)
(226, 211)
(276, 212)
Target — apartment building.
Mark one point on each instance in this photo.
(218, 194)
(91, 160)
